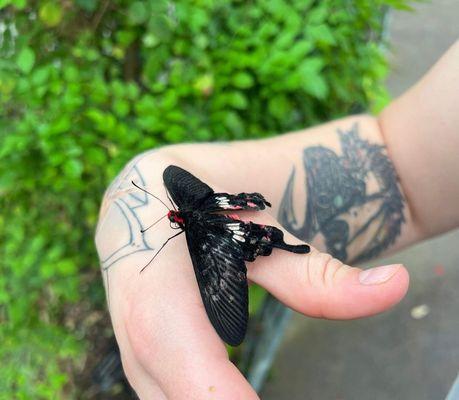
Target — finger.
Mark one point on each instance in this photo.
(319, 285)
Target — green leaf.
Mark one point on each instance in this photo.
(311, 79)
(18, 4)
(279, 106)
(316, 86)
(159, 25)
(150, 40)
(71, 73)
(319, 14)
(321, 34)
(65, 267)
(242, 80)
(175, 134)
(159, 6)
(300, 49)
(50, 13)
(73, 168)
(203, 134)
(204, 84)
(87, 5)
(121, 107)
(237, 100)
(40, 75)
(138, 13)
(26, 60)
(125, 37)
(234, 123)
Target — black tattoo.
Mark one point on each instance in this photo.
(129, 203)
(353, 199)
(128, 206)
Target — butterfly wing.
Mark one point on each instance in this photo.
(220, 270)
(259, 240)
(187, 191)
(219, 246)
(234, 202)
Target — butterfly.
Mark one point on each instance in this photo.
(219, 245)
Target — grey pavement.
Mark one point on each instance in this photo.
(412, 351)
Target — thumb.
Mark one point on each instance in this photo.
(318, 285)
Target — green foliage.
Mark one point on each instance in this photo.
(85, 85)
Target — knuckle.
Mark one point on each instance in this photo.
(331, 269)
(323, 269)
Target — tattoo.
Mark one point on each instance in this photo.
(128, 204)
(128, 207)
(354, 204)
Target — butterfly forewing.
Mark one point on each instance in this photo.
(220, 270)
(187, 191)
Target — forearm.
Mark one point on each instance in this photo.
(421, 131)
(332, 185)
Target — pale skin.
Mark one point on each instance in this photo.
(169, 348)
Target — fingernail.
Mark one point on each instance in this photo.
(377, 275)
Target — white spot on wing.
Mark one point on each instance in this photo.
(240, 238)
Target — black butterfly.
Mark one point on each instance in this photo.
(219, 245)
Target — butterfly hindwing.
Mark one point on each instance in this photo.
(187, 191)
(219, 246)
(259, 240)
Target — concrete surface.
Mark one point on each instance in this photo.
(419, 39)
(412, 351)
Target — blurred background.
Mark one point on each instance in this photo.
(87, 84)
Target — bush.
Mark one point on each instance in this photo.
(87, 84)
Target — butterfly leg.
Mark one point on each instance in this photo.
(162, 247)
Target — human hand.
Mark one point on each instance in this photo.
(168, 346)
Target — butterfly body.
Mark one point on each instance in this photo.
(219, 245)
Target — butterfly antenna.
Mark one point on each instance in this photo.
(153, 224)
(162, 247)
(151, 194)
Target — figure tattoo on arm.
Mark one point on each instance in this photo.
(354, 202)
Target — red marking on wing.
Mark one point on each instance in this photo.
(234, 216)
(250, 204)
